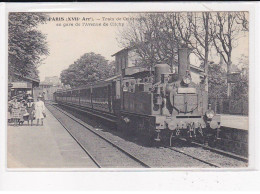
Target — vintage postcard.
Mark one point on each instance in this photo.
(128, 90)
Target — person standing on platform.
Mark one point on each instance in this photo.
(43, 97)
(9, 116)
(39, 110)
(30, 109)
(23, 112)
(16, 111)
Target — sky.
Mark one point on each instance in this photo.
(69, 36)
(69, 43)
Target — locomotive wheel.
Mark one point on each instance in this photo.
(188, 139)
(156, 144)
(119, 125)
(210, 137)
(127, 130)
(149, 141)
(200, 135)
(124, 127)
(212, 141)
(172, 138)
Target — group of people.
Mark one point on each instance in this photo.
(21, 110)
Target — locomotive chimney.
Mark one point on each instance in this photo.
(183, 62)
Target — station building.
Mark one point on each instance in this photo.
(48, 87)
(19, 85)
(54, 80)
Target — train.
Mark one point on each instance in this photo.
(158, 104)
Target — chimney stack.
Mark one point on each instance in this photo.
(183, 62)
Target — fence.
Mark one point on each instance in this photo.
(229, 106)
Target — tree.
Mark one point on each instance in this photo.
(152, 37)
(194, 31)
(226, 28)
(88, 68)
(240, 88)
(225, 31)
(242, 19)
(112, 68)
(217, 81)
(157, 37)
(26, 45)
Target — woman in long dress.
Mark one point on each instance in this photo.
(23, 112)
(39, 110)
(9, 116)
(16, 111)
(30, 109)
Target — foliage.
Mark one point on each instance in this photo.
(225, 31)
(26, 45)
(152, 38)
(217, 81)
(242, 19)
(88, 68)
(157, 36)
(240, 89)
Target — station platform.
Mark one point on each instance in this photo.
(48, 146)
(235, 121)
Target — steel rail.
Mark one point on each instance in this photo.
(218, 151)
(195, 158)
(102, 137)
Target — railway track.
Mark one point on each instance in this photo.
(98, 163)
(228, 154)
(188, 153)
(174, 149)
(195, 158)
(200, 152)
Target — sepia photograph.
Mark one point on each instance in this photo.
(128, 90)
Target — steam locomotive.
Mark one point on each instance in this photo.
(159, 104)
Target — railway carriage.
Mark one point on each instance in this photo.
(154, 104)
(85, 97)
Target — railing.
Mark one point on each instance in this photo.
(229, 106)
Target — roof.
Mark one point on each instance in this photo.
(234, 69)
(23, 85)
(135, 70)
(46, 83)
(111, 78)
(28, 78)
(196, 69)
(129, 48)
(124, 49)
